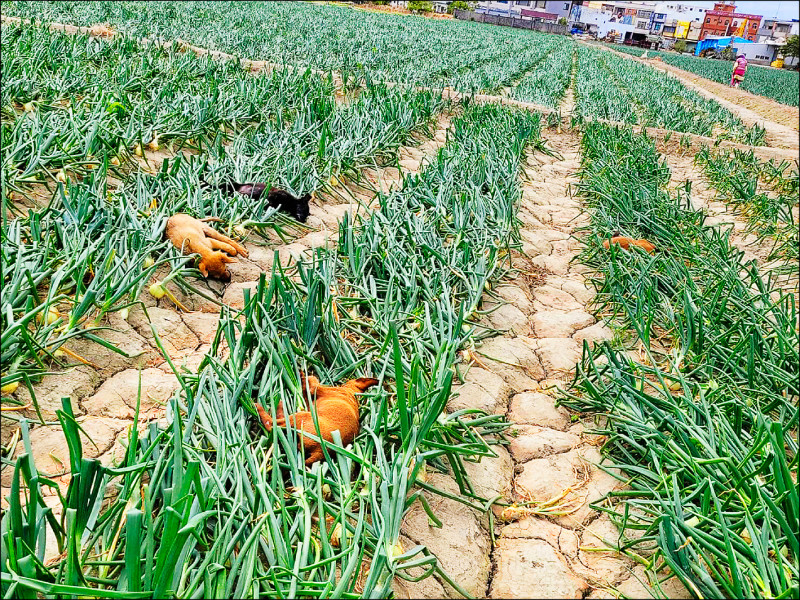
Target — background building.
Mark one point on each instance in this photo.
(777, 30)
(548, 10)
(725, 21)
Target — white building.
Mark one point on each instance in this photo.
(773, 33)
(550, 10)
(776, 30)
(677, 20)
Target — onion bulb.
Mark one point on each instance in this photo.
(148, 262)
(10, 388)
(336, 535)
(28, 107)
(157, 290)
(396, 550)
(52, 315)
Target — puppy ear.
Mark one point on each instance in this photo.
(364, 383)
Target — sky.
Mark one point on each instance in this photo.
(787, 9)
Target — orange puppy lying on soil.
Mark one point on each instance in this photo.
(627, 242)
(337, 408)
(193, 236)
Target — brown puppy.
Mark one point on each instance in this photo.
(627, 242)
(337, 408)
(192, 236)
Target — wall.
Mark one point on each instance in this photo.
(531, 24)
(759, 54)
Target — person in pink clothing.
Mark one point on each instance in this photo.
(739, 68)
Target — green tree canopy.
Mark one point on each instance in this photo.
(792, 46)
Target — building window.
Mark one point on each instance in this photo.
(726, 22)
(524, 2)
(708, 20)
(566, 5)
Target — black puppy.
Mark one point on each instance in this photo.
(277, 198)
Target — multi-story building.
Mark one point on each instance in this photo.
(773, 33)
(554, 9)
(608, 19)
(677, 20)
(724, 21)
(774, 29)
(548, 10)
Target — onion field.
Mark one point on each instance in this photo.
(361, 45)
(89, 113)
(612, 87)
(782, 85)
(459, 226)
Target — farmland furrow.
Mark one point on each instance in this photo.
(548, 537)
(568, 103)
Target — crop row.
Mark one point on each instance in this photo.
(764, 192)
(701, 422)
(781, 85)
(94, 246)
(548, 82)
(462, 55)
(208, 507)
(607, 84)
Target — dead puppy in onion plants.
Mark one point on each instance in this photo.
(336, 407)
(193, 236)
(276, 197)
(626, 243)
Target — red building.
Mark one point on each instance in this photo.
(724, 21)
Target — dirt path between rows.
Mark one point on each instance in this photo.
(779, 121)
(545, 540)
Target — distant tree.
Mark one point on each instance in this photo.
(792, 46)
(380, 2)
(562, 21)
(680, 46)
(457, 5)
(421, 6)
(728, 53)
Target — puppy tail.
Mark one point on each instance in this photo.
(364, 383)
(266, 420)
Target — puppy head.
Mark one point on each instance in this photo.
(215, 265)
(301, 210)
